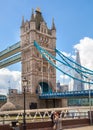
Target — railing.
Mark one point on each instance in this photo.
(36, 115)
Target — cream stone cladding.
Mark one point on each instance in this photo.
(17, 100)
(34, 67)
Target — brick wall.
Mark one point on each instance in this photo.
(5, 127)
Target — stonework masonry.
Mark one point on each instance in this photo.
(17, 100)
(34, 67)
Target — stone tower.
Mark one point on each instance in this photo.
(40, 74)
(78, 86)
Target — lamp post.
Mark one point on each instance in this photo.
(24, 84)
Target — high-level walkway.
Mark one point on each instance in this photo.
(11, 50)
(10, 55)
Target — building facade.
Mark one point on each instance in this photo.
(78, 86)
(62, 87)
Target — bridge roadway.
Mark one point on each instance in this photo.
(68, 94)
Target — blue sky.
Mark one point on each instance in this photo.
(73, 20)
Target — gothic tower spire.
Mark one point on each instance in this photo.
(32, 16)
(53, 25)
(22, 21)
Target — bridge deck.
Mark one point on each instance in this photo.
(84, 93)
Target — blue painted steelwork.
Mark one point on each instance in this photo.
(68, 94)
(52, 60)
(66, 59)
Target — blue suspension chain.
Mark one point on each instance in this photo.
(79, 71)
(45, 54)
(90, 71)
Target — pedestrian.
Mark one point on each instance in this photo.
(57, 121)
(73, 114)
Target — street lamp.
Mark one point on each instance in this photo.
(24, 84)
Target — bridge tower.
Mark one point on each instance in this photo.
(40, 74)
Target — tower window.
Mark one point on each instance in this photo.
(44, 30)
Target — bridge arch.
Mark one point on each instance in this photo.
(44, 86)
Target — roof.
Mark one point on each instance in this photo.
(8, 106)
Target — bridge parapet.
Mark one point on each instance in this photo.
(37, 115)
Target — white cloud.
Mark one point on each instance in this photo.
(9, 79)
(64, 77)
(85, 47)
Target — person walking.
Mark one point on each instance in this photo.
(57, 122)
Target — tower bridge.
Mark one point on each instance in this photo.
(39, 64)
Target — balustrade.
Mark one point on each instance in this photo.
(36, 115)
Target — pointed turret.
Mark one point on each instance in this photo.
(53, 25)
(22, 22)
(32, 21)
(53, 29)
(22, 25)
(32, 16)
